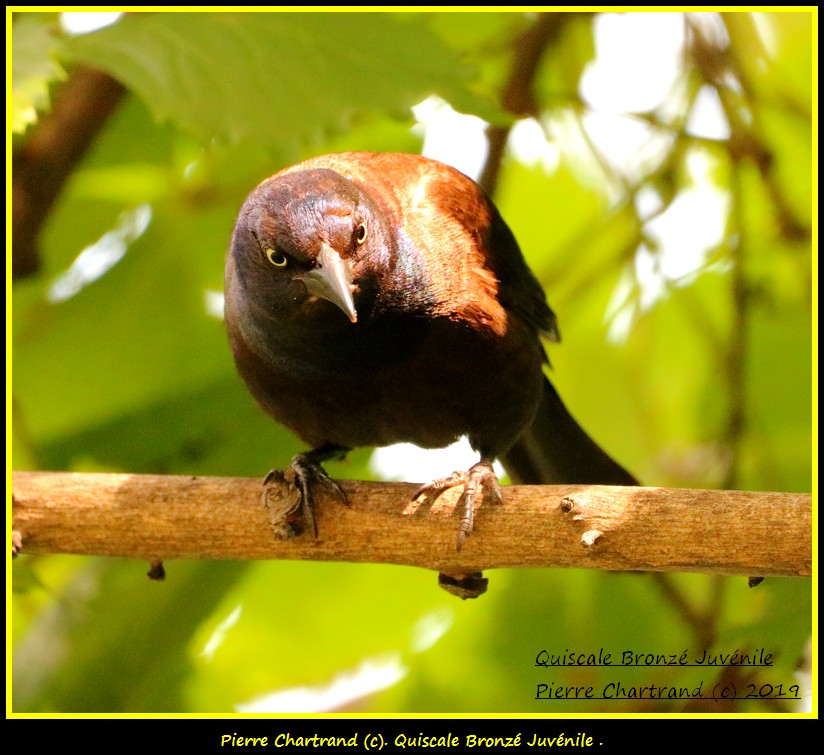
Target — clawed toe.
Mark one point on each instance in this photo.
(480, 479)
(432, 490)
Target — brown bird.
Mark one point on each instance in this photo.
(377, 298)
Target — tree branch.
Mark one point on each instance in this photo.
(41, 167)
(517, 96)
(613, 528)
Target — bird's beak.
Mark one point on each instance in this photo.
(331, 279)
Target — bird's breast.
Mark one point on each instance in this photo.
(396, 379)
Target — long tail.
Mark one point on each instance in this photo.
(555, 450)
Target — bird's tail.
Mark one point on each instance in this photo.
(556, 450)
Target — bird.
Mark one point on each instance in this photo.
(377, 298)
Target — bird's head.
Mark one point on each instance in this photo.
(300, 241)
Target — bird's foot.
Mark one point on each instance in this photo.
(292, 515)
(480, 479)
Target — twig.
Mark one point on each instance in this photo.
(702, 623)
(517, 96)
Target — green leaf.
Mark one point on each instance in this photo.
(33, 68)
(278, 78)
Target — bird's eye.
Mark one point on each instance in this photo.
(277, 258)
(360, 233)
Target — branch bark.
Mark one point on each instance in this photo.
(613, 528)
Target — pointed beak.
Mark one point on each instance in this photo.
(331, 279)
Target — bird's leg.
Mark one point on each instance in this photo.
(481, 477)
(307, 471)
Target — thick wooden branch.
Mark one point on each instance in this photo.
(638, 529)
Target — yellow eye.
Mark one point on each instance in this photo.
(360, 233)
(278, 259)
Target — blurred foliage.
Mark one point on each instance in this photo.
(693, 373)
